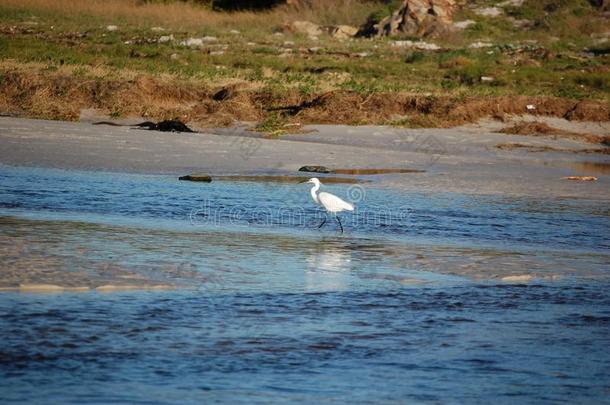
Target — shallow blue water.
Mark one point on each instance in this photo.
(512, 344)
(574, 223)
(407, 306)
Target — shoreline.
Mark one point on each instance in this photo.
(461, 159)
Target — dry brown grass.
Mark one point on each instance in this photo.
(184, 15)
(542, 129)
(174, 15)
(509, 146)
(529, 148)
(328, 12)
(59, 95)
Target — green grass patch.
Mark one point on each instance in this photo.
(81, 41)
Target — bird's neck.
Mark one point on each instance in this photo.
(313, 191)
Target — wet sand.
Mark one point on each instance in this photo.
(463, 159)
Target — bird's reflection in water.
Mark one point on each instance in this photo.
(328, 268)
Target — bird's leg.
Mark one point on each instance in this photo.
(323, 222)
(340, 225)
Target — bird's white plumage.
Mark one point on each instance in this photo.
(333, 204)
(330, 202)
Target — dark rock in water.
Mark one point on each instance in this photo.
(172, 126)
(286, 179)
(197, 177)
(361, 172)
(324, 169)
(315, 169)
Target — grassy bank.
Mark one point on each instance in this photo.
(51, 49)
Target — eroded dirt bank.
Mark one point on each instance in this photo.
(59, 96)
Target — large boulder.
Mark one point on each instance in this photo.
(417, 18)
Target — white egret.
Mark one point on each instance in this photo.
(330, 202)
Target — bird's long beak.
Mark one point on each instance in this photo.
(304, 181)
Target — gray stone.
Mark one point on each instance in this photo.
(205, 178)
(315, 169)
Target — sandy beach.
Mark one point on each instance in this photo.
(463, 159)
